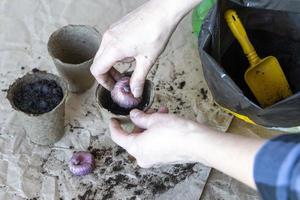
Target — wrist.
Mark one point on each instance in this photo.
(221, 150)
(199, 144)
(172, 10)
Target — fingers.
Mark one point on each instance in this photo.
(105, 60)
(103, 63)
(144, 164)
(128, 60)
(144, 120)
(137, 80)
(162, 109)
(115, 74)
(138, 129)
(118, 135)
(141, 119)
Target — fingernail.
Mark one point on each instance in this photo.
(113, 120)
(137, 92)
(163, 109)
(134, 113)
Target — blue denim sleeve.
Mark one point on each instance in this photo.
(277, 168)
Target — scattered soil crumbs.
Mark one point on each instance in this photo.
(86, 195)
(99, 153)
(88, 113)
(89, 194)
(119, 151)
(120, 179)
(34, 70)
(38, 97)
(204, 93)
(75, 125)
(168, 93)
(170, 88)
(181, 85)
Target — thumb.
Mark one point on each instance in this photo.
(118, 135)
(138, 77)
(139, 118)
(144, 120)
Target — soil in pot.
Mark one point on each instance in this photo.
(38, 97)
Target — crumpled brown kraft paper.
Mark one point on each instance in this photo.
(29, 171)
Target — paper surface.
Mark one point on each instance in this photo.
(31, 171)
(221, 186)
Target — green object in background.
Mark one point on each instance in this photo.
(200, 13)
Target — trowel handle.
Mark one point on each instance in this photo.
(240, 34)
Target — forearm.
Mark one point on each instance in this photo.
(173, 9)
(231, 154)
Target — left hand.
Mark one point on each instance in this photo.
(142, 34)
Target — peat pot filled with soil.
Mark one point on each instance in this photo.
(39, 99)
(110, 109)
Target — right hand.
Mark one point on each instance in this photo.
(161, 138)
(143, 35)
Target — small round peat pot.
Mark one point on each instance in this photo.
(73, 49)
(39, 98)
(109, 109)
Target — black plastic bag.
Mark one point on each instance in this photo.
(273, 27)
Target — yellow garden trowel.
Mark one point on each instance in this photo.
(264, 77)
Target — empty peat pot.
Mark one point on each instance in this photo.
(73, 49)
(109, 109)
(39, 98)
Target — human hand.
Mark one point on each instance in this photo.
(167, 139)
(142, 35)
(160, 139)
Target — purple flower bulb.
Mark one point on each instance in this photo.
(82, 163)
(121, 94)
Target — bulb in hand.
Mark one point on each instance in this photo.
(121, 94)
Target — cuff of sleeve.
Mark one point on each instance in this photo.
(268, 164)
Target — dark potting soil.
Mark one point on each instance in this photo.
(38, 97)
(285, 49)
